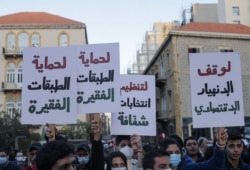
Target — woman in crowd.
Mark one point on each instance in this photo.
(116, 160)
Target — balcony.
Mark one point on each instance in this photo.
(160, 79)
(12, 53)
(11, 87)
(162, 115)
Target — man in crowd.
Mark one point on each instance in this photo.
(5, 164)
(234, 150)
(33, 149)
(83, 156)
(156, 160)
(191, 147)
(56, 155)
(125, 143)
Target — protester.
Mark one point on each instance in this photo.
(203, 144)
(125, 143)
(173, 148)
(191, 148)
(116, 161)
(56, 155)
(83, 157)
(234, 150)
(20, 159)
(33, 149)
(157, 159)
(225, 156)
(5, 164)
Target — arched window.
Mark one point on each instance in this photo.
(35, 40)
(63, 40)
(23, 41)
(10, 106)
(11, 70)
(19, 105)
(19, 73)
(11, 42)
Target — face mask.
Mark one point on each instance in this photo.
(127, 151)
(20, 159)
(209, 145)
(134, 161)
(83, 159)
(3, 160)
(175, 159)
(121, 168)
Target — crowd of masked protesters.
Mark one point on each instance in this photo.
(228, 151)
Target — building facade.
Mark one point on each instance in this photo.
(170, 65)
(30, 29)
(152, 42)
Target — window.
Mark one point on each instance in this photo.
(11, 73)
(226, 50)
(236, 21)
(23, 41)
(10, 106)
(235, 11)
(19, 73)
(35, 39)
(163, 103)
(162, 69)
(193, 50)
(11, 42)
(63, 40)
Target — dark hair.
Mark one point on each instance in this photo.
(189, 138)
(178, 138)
(119, 138)
(149, 159)
(114, 155)
(147, 148)
(169, 141)
(234, 137)
(52, 152)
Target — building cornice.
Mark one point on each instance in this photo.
(42, 26)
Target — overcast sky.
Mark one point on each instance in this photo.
(122, 21)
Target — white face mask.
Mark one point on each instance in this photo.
(134, 161)
(121, 168)
(127, 151)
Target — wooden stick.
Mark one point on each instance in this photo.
(129, 164)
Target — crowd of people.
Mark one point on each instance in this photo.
(226, 152)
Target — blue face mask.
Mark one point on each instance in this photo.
(175, 159)
(3, 160)
(83, 159)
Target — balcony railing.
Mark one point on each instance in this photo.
(160, 79)
(12, 53)
(11, 86)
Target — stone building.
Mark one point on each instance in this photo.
(170, 65)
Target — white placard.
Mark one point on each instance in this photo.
(98, 78)
(137, 107)
(48, 87)
(216, 90)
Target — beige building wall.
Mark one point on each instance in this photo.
(204, 12)
(225, 14)
(49, 37)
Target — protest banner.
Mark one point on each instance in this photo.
(216, 90)
(137, 107)
(48, 87)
